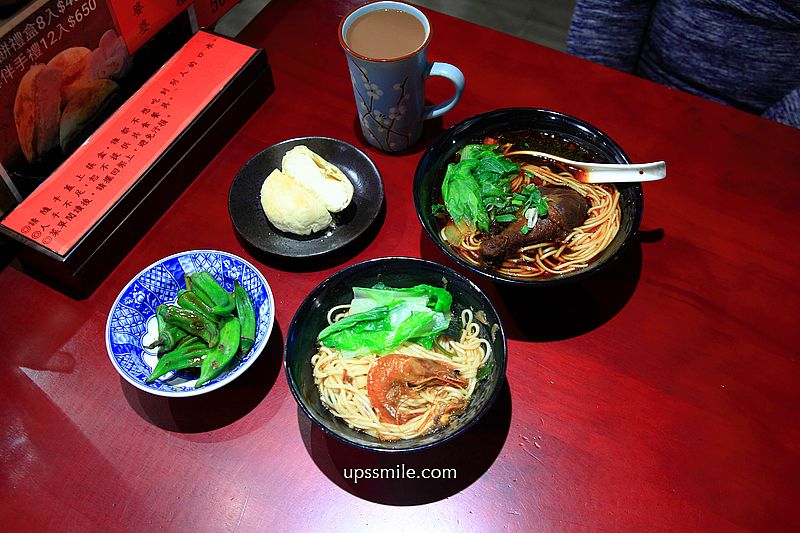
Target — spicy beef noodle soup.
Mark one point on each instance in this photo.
(522, 217)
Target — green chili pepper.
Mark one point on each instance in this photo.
(168, 336)
(161, 325)
(247, 317)
(218, 358)
(168, 339)
(189, 354)
(195, 323)
(191, 301)
(207, 289)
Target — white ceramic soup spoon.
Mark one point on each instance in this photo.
(604, 172)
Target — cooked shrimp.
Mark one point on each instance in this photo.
(396, 379)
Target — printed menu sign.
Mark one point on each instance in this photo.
(139, 20)
(61, 210)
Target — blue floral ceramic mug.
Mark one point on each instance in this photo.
(390, 92)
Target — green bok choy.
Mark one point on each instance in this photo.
(382, 318)
(477, 190)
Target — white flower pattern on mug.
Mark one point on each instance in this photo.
(373, 91)
(381, 118)
(396, 113)
(381, 123)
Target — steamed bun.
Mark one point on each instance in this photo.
(324, 180)
(291, 207)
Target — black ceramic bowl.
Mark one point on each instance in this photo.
(550, 132)
(311, 318)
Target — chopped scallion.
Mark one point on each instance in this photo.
(504, 219)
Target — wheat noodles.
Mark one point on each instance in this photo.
(343, 383)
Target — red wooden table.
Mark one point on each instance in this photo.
(666, 399)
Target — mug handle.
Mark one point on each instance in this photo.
(456, 77)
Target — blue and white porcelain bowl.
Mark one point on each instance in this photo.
(132, 320)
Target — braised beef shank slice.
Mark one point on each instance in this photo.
(567, 209)
(565, 206)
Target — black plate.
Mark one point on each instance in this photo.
(311, 318)
(555, 133)
(244, 200)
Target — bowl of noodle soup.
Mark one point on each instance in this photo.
(613, 215)
(335, 392)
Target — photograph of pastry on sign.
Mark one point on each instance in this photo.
(59, 71)
(63, 67)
